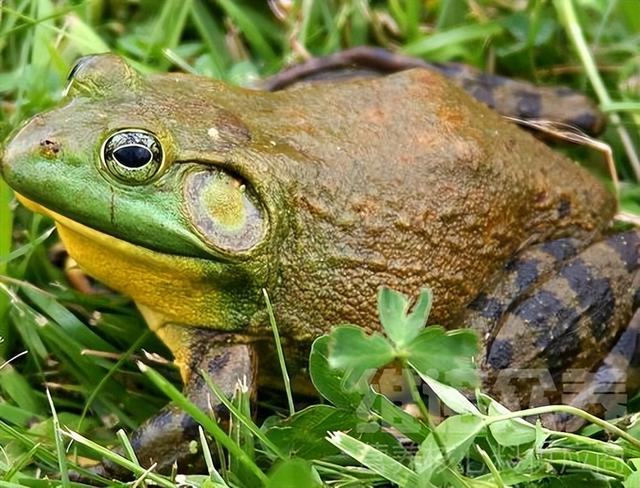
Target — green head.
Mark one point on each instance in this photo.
(161, 170)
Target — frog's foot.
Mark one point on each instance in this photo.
(560, 310)
(167, 437)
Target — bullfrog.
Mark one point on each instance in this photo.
(191, 196)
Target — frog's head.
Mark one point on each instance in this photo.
(153, 185)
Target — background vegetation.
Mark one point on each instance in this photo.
(82, 348)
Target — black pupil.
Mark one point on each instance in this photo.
(133, 156)
(75, 69)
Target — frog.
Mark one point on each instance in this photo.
(193, 197)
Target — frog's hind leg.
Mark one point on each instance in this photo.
(560, 309)
(604, 393)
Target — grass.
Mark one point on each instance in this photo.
(80, 378)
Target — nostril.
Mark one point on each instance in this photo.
(49, 148)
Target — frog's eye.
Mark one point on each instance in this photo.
(132, 156)
(223, 211)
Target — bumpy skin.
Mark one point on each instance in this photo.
(403, 180)
(514, 98)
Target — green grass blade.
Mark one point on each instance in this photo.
(168, 27)
(457, 35)
(249, 27)
(213, 38)
(206, 452)
(281, 360)
(17, 388)
(62, 460)
(246, 421)
(567, 14)
(209, 425)
(375, 460)
(128, 448)
(119, 460)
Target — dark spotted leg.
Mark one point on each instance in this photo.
(604, 393)
(559, 309)
(513, 98)
(165, 438)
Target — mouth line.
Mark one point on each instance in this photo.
(95, 234)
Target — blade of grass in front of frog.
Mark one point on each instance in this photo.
(283, 364)
(178, 61)
(211, 468)
(243, 436)
(108, 454)
(237, 431)
(140, 480)
(566, 132)
(62, 459)
(375, 460)
(240, 416)
(203, 419)
(624, 106)
(128, 448)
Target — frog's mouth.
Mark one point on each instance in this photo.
(81, 229)
(97, 251)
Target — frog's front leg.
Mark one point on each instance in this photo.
(560, 308)
(165, 438)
